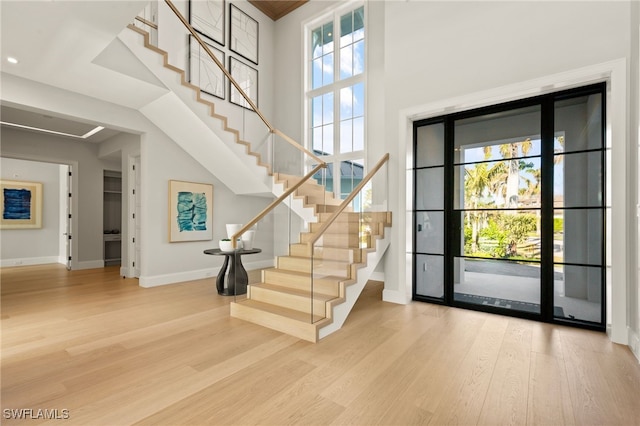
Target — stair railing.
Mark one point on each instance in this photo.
(338, 243)
(275, 203)
(238, 87)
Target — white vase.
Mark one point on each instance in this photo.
(232, 228)
(247, 239)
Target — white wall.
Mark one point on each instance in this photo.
(164, 262)
(33, 246)
(634, 291)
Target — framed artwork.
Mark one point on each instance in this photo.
(207, 17)
(243, 35)
(21, 204)
(203, 71)
(247, 79)
(190, 211)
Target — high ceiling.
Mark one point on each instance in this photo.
(276, 9)
(43, 53)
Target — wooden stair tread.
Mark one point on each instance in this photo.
(296, 292)
(290, 314)
(306, 276)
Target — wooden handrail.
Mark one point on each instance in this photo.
(146, 22)
(347, 200)
(298, 146)
(275, 203)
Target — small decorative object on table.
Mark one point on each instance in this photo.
(225, 245)
(247, 239)
(232, 228)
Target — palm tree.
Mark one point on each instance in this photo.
(512, 151)
(476, 180)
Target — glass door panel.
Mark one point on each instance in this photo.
(429, 218)
(579, 211)
(497, 200)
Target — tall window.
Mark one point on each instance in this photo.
(335, 97)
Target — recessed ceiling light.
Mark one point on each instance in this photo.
(12, 60)
(38, 129)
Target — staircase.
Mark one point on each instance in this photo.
(310, 292)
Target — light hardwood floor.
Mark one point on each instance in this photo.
(112, 353)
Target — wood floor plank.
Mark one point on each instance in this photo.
(593, 401)
(623, 379)
(464, 396)
(506, 400)
(546, 339)
(380, 398)
(113, 353)
(459, 330)
(549, 401)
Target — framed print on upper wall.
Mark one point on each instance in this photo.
(247, 79)
(207, 17)
(243, 35)
(190, 211)
(203, 71)
(21, 205)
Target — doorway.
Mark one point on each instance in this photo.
(509, 208)
(49, 241)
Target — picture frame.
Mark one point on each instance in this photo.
(208, 18)
(243, 34)
(20, 204)
(190, 211)
(247, 79)
(203, 71)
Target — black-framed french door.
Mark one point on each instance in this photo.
(510, 208)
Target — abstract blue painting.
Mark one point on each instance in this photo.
(190, 211)
(17, 204)
(21, 204)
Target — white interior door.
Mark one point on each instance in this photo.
(135, 217)
(65, 216)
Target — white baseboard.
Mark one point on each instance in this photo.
(395, 296)
(179, 277)
(4, 263)
(634, 343)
